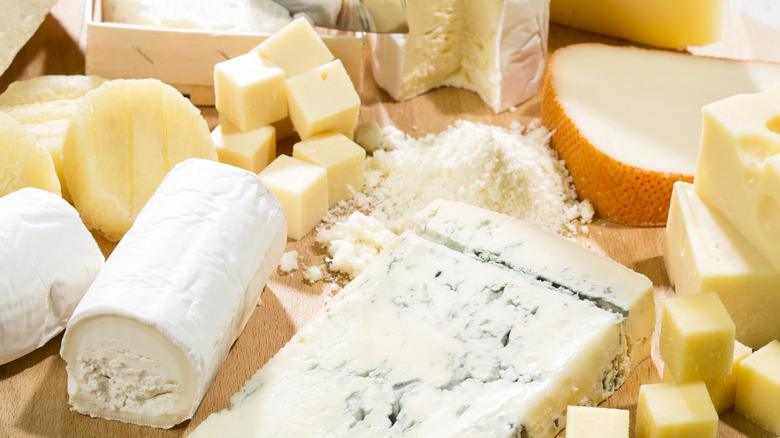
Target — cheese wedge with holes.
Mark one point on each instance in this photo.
(121, 142)
(146, 340)
(628, 122)
(23, 162)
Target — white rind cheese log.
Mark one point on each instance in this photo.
(503, 240)
(49, 259)
(147, 339)
(430, 342)
(495, 48)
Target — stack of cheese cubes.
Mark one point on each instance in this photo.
(722, 240)
(291, 81)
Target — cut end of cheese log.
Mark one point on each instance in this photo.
(121, 142)
(148, 337)
(23, 162)
(627, 121)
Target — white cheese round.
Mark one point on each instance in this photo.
(146, 341)
(49, 259)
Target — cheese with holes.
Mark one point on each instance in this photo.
(428, 341)
(495, 48)
(23, 162)
(628, 121)
(148, 337)
(738, 168)
(18, 23)
(49, 261)
(121, 142)
(514, 244)
(704, 253)
(671, 24)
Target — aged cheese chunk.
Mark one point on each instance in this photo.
(148, 337)
(252, 150)
(430, 342)
(323, 99)
(296, 48)
(704, 253)
(302, 189)
(758, 387)
(738, 168)
(628, 121)
(23, 162)
(18, 22)
(722, 389)
(495, 48)
(49, 260)
(250, 91)
(590, 422)
(697, 337)
(668, 410)
(512, 243)
(340, 156)
(671, 24)
(121, 142)
(43, 105)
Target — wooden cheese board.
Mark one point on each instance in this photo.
(33, 395)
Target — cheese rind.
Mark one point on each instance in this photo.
(430, 342)
(509, 242)
(147, 339)
(758, 387)
(49, 261)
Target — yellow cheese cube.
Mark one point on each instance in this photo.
(758, 387)
(250, 91)
(721, 389)
(323, 99)
(340, 156)
(590, 422)
(675, 410)
(704, 253)
(296, 48)
(250, 150)
(301, 188)
(738, 166)
(697, 337)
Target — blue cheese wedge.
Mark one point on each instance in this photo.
(428, 341)
(146, 340)
(505, 241)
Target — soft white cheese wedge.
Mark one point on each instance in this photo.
(147, 339)
(49, 259)
(430, 342)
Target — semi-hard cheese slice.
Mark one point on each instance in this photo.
(503, 240)
(23, 162)
(18, 22)
(121, 142)
(49, 259)
(495, 48)
(428, 342)
(628, 121)
(148, 337)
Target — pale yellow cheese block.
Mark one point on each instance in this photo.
(23, 162)
(592, 422)
(671, 24)
(673, 410)
(296, 48)
(121, 142)
(758, 387)
(251, 150)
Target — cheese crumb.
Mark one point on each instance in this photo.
(288, 262)
(313, 274)
(353, 243)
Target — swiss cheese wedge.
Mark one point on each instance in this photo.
(628, 121)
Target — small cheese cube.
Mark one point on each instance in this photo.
(301, 188)
(323, 99)
(675, 410)
(697, 337)
(340, 156)
(250, 150)
(296, 48)
(250, 91)
(590, 422)
(758, 387)
(722, 389)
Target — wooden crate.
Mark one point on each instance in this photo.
(186, 58)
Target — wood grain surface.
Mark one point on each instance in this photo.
(33, 395)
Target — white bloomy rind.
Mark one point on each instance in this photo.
(49, 259)
(147, 339)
